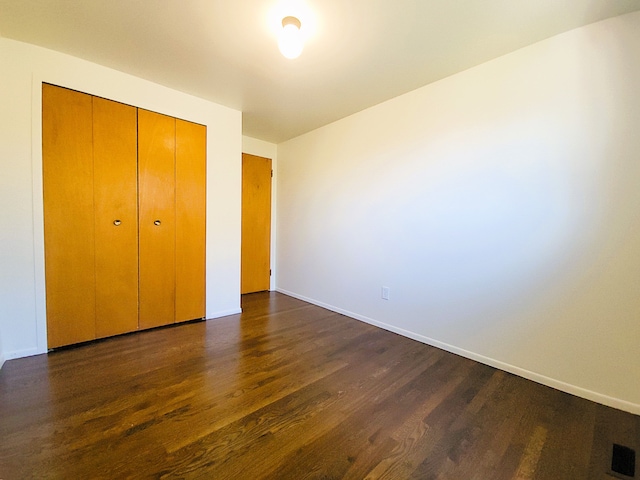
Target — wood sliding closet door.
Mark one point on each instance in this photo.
(156, 184)
(116, 217)
(124, 217)
(69, 236)
(191, 152)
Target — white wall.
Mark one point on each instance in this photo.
(24, 68)
(253, 146)
(501, 206)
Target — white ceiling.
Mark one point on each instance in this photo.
(358, 52)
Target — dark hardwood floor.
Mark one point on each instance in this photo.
(288, 390)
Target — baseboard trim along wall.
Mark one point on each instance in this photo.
(535, 377)
(224, 313)
(19, 354)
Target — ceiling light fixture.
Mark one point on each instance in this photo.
(290, 42)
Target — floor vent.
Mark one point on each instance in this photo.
(623, 460)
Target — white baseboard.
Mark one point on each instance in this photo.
(521, 372)
(29, 352)
(224, 313)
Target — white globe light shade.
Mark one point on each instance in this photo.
(290, 42)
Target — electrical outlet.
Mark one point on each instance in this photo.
(385, 293)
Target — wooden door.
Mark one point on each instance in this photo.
(191, 152)
(156, 203)
(256, 224)
(116, 216)
(69, 239)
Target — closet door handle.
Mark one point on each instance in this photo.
(117, 222)
(157, 223)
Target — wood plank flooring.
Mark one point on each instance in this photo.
(288, 390)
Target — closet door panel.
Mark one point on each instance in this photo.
(255, 249)
(191, 154)
(116, 217)
(67, 166)
(156, 190)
